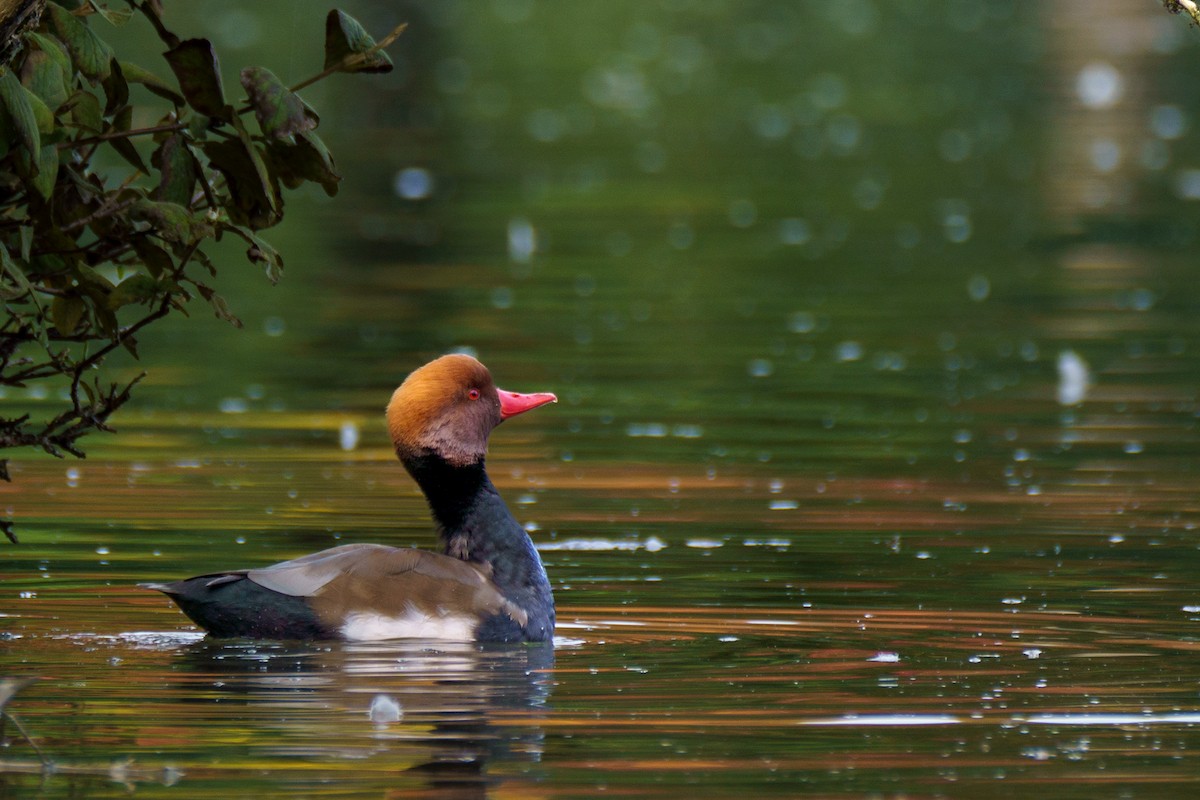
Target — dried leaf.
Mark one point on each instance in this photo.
(280, 112)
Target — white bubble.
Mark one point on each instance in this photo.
(1099, 85)
(522, 240)
(413, 183)
(348, 435)
(978, 288)
(1168, 122)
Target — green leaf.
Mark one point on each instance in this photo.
(347, 44)
(280, 112)
(195, 65)
(173, 222)
(42, 76)
(14, 271)
(116, 90)
(85, 112)
(177, 170)
(42, 115)
(53, 48)
(157, 260)
(307, 160)
(47, 170)
(116, 17)
(25, 233)
(91, 54)
(123, 122)
(135, 74)
(255, 199)
(16, 101)
(65, 313)
(139, 288)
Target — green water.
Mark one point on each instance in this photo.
(807, 279)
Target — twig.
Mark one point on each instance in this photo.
(104, 137)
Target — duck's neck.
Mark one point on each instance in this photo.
(475, 525)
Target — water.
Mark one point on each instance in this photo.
(873, 470)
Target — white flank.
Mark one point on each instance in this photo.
(412, 624)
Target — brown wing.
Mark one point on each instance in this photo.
(387, 581)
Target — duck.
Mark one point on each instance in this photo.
(487, 585)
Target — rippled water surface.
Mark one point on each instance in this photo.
(874, 328)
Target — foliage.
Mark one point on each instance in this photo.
(88, 260)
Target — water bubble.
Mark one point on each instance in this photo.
(348, 435)
(1187, 184)
(650, 156)
(274, 326)
(956, 220)
(802, 322)
(771, 122)
(453, 75)
(844, 132)
(848, 351)
(794, 231)
(783, 505)
(978, 288)
(681, 236)
(1134, 447)
(502, 298)
(233, 405)
(384, 709)
(828, 91)
(705, 544)
(742, 213)
(1074, 378)
(546, 125)
(522, 240)
(954, 145)
(413, 183)
(1099, 85)
(1168, 122)
(760, 368)
(868, 193)
(1105, 155)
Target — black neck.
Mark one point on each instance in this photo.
(475, 525)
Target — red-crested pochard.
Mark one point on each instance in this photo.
(488, 584)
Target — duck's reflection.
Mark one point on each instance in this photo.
(435, 714)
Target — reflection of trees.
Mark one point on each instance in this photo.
(322, 702)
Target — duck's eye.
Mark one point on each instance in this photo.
(473, 394)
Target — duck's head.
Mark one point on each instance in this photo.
(449, 407)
